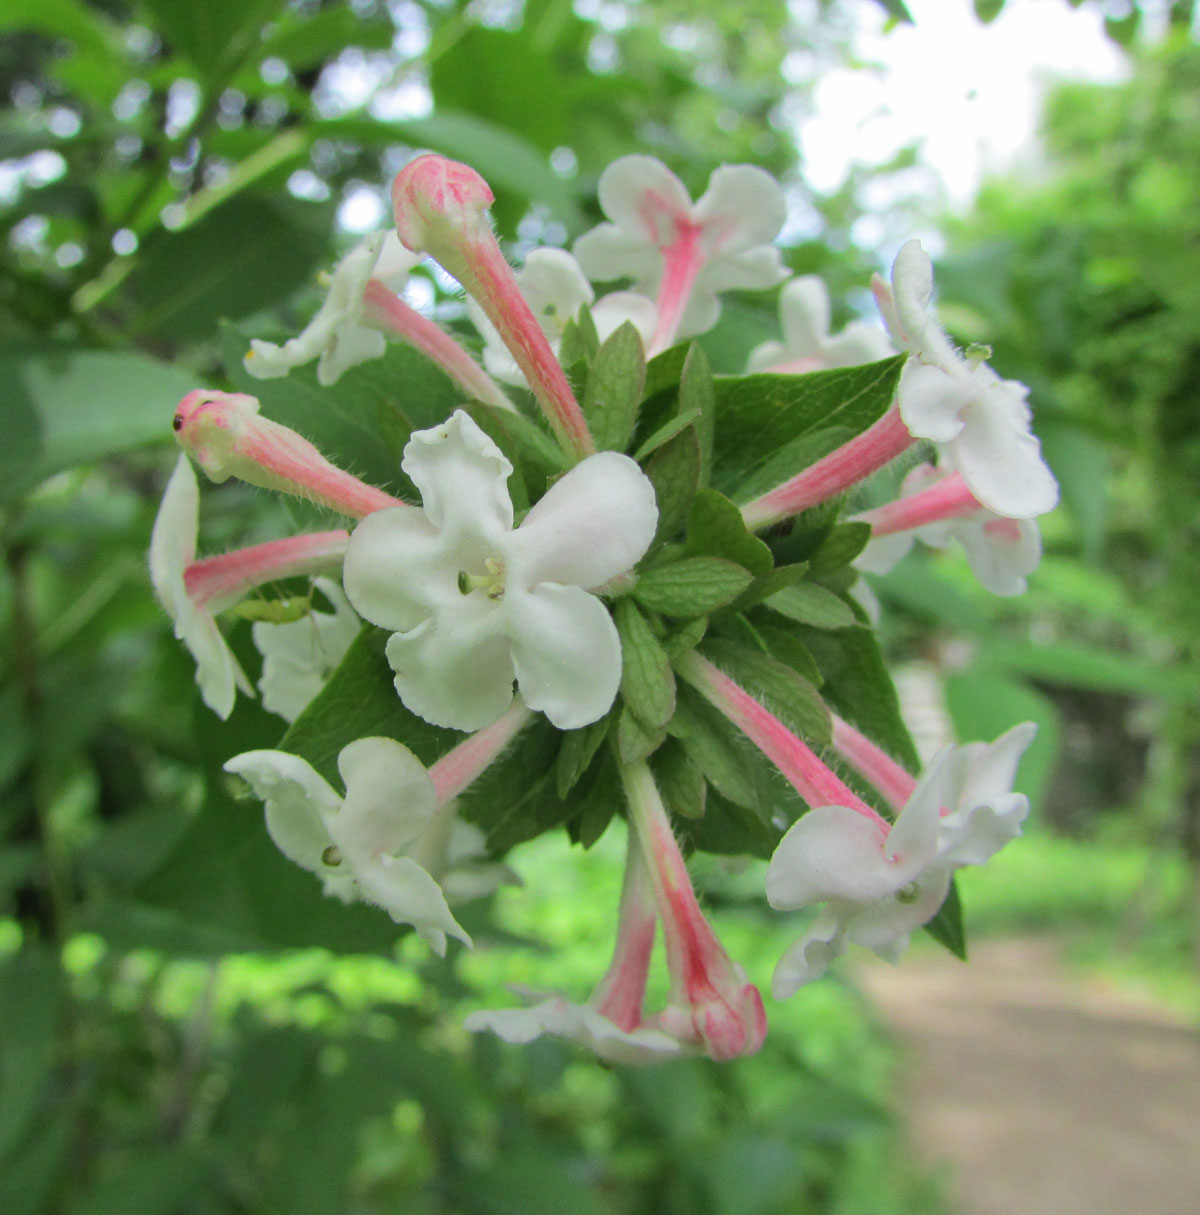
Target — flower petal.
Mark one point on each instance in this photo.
(832, 853)
(398, 569)
(883, 553)
(912, 280)
(885, 924)
(611, 311)
(579, 1023)
(173, 540)
(931, 400)
(608, 252)
(804, 316)
(641, 195)
(809, 957)
(410, 896)
(463, 480)
(1000, 460)
(389, 802)
(297, 799)
(742, 208)
(219, 675)
(592, 524)
(1001, 552)
(455, 669)
(566, 654)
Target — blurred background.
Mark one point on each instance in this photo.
(184, 1025)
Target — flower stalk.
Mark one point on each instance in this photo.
(833, 474)
(441, 209)
(225, 434)
(949, 498)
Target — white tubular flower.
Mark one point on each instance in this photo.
(172, 550)
(474, 604)
(357, 845)
(337, 335)
(559, 1018)
(300, 655)
(1001, 552)
(983, 811)
(807, 345)
(877, 884)
(980, 421)
(692, 251)
(555, 288)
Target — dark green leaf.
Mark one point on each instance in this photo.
(679, 780)
(636, 741)
(686, 637)
(780, 687)
(614, 389)
(696, 392)
(667, 431)
(674, 471)
(580, 342)
(66, 406)
(769, 584)
(30, 1003)
(717, 748)
(694, 586)
(789, 649)
(578, 749)
(647, 681)
(843, 543)
(813, 605)
(213, 35)
(761, 413)
(716, 529)
(947, 926)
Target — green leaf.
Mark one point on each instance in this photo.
(716, 529)
(789, 459)
(215, 34)
(580, 342)
(647, 681)
(717, 749)
(674, 471)
(667, 431)
(694, 586)
(636, 741)
(730, 829)
(790, 650)
(687, 637)
(66, 406)
(597, 805)
(988, 10)
(578, 749)
(858, 687)
(614, 389)
(30, 1005)
(813, 605)
(1070, 665)
(696, 392)
(679, 780)
(761, 413)
(784, 691)
(947, 926)
(896, 9)
(843, 543)
(769, 584)
(244, 256)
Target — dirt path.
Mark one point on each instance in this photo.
(1041, 1093)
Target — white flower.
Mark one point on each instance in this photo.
(1001, 552)
(581, 1023)
(729, 229)
(337, 335)
(466, 873)
(474, 604)
(357, 845)
(983, 811)
(300, 655)
(172, 550)
(555, 289)
(980, 421)
(807, 344)
(879, 884)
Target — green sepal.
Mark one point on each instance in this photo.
(807, 603)
(716, 529)
(614, 389)
(647, 681)
(696, 392)
(578, 749)
(786, 692)
(680, 780)
(694, 586)
(947, 926)
(843, 543)
(635, 740)
(674, 471)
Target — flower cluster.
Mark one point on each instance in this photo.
(596, 584)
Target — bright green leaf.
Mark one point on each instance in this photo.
(694, 586)
(647, 681)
